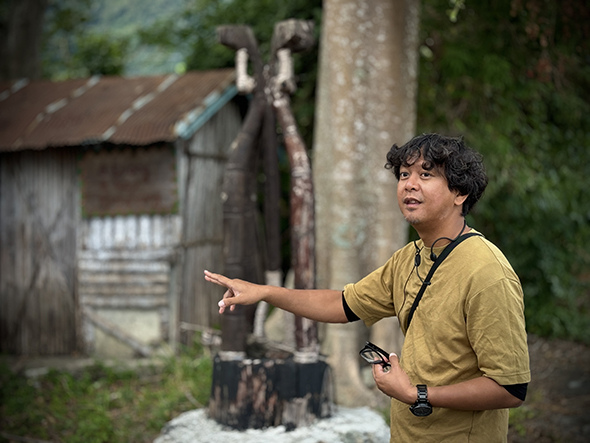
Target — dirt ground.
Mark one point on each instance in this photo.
(557, 408)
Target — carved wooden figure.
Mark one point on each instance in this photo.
(292, 389)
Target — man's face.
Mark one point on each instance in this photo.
(424, 196)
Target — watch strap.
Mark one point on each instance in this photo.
(422, 407)
(422, 393)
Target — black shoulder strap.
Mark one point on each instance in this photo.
(446, 251)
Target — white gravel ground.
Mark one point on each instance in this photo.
(358, 425)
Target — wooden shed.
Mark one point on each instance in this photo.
(110, 209)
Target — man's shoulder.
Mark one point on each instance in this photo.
(479, 256)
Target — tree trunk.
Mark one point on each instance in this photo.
(21, 31)
(366, 102)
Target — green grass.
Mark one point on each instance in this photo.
(103, 404)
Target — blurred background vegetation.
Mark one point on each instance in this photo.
(511, 76)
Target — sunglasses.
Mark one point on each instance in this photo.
(375, 355)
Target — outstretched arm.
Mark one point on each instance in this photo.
(323, 305)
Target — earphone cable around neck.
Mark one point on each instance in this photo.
(433, 256)
(417, 261)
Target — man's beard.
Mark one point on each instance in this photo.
(412, 219)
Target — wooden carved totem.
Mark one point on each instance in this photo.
(291, 390)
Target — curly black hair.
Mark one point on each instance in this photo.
(463, 167)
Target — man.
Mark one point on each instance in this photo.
(465, 358)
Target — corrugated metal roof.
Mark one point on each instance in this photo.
(135, 111)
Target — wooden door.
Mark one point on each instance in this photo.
(38, 229)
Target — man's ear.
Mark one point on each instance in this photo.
(460, 199)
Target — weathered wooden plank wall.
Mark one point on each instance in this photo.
(202, 218)
(126, 263)
(38, 232)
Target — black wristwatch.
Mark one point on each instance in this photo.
(421, 408)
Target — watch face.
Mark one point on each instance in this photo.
(421, 409)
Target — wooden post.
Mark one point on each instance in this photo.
(293, 389)
(290, 36)
(270, 392)
(239, 208)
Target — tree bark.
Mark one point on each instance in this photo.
(366, 102)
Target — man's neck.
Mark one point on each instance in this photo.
(454, 230)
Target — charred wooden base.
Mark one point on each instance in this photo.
(265, 392)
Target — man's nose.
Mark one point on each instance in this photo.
(411, 183)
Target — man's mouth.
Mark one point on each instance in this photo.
(411, 201)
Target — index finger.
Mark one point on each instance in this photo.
(216, 278)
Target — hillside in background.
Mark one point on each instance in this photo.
(127, 16)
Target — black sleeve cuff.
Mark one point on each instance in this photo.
(351, 316)
(519, 390)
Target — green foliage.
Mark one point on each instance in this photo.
(101, 54)
(125, 19)
(512, 78)
(86, 54)
(71, 49)
(103, 404)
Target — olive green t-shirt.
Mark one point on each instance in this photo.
(469, 323)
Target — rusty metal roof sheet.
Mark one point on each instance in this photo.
(135, 111)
